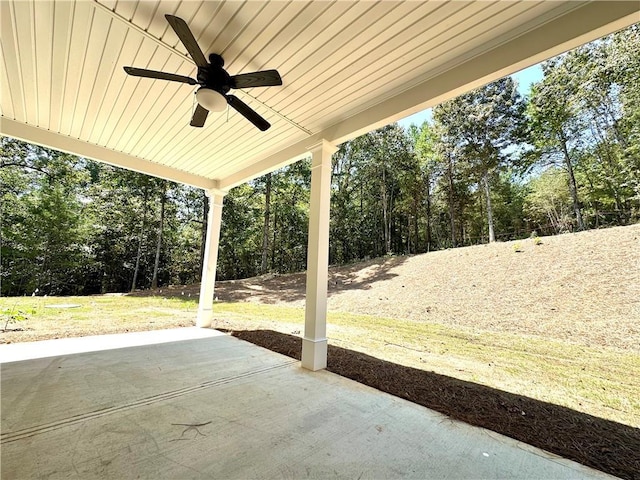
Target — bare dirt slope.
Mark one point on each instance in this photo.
(583, 287)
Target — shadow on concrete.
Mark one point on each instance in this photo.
(611, 447)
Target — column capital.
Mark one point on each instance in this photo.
(210, 192)
(325, 145)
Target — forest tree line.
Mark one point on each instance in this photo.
(490, 165)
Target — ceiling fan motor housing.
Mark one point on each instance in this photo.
(213, 76)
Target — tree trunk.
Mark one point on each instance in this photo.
(273, 242)
(265, 228)
(391, 224)
(203, 233)
(428, 193)
(573, 187)
(140, 238)
(609, 163)
(416, 228)
(487, 191)
(156, 263)
(385, 214)
(451, 202)
(361, 246)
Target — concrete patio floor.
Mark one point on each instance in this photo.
(195, 403)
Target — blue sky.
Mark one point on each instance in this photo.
(524, 78)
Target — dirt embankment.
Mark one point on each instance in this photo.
(581, 287)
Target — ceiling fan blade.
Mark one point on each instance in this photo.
(141, 72)
(247, 112)
(199, 116)
(265, 78)
(188, 40)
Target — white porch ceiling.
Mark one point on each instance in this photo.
(347, 67)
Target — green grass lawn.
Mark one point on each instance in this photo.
(600, 381)
(57, 317)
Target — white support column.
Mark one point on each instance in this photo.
(208, 281)
(314, 343)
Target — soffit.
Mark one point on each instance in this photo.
(347, 66)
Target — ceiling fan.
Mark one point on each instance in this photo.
(214, 80)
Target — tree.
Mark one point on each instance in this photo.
(430, 162)
(375, 196)
(264, 265)
(555, 123)
(483, 126)
(43, 227)
(623, 58)
(156, 263)
(186, 234)
(609, 99)
(548, 204)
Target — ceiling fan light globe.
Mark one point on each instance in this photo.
(211, 100)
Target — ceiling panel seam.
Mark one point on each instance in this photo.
(231, 41)
(108, 116)
(6, 76)
(295, 124)
(106, 90)
(354, 87)
(81, 76)
(67, 56)
(16, 48)
(34, 65)
(275, 17)
(94, 81)
(140, 30)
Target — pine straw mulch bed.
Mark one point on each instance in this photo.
(602, 444)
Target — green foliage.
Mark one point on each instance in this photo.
(547, 206)
(240, 234)
(13, 315)
(491, 165)
(479, 131)
(72, 226)
(43, 232)
(584, 116)
(376, 196)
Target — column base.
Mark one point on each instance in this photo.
(204, 318)
(314, 354)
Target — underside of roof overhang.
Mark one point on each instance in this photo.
(347, 68)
